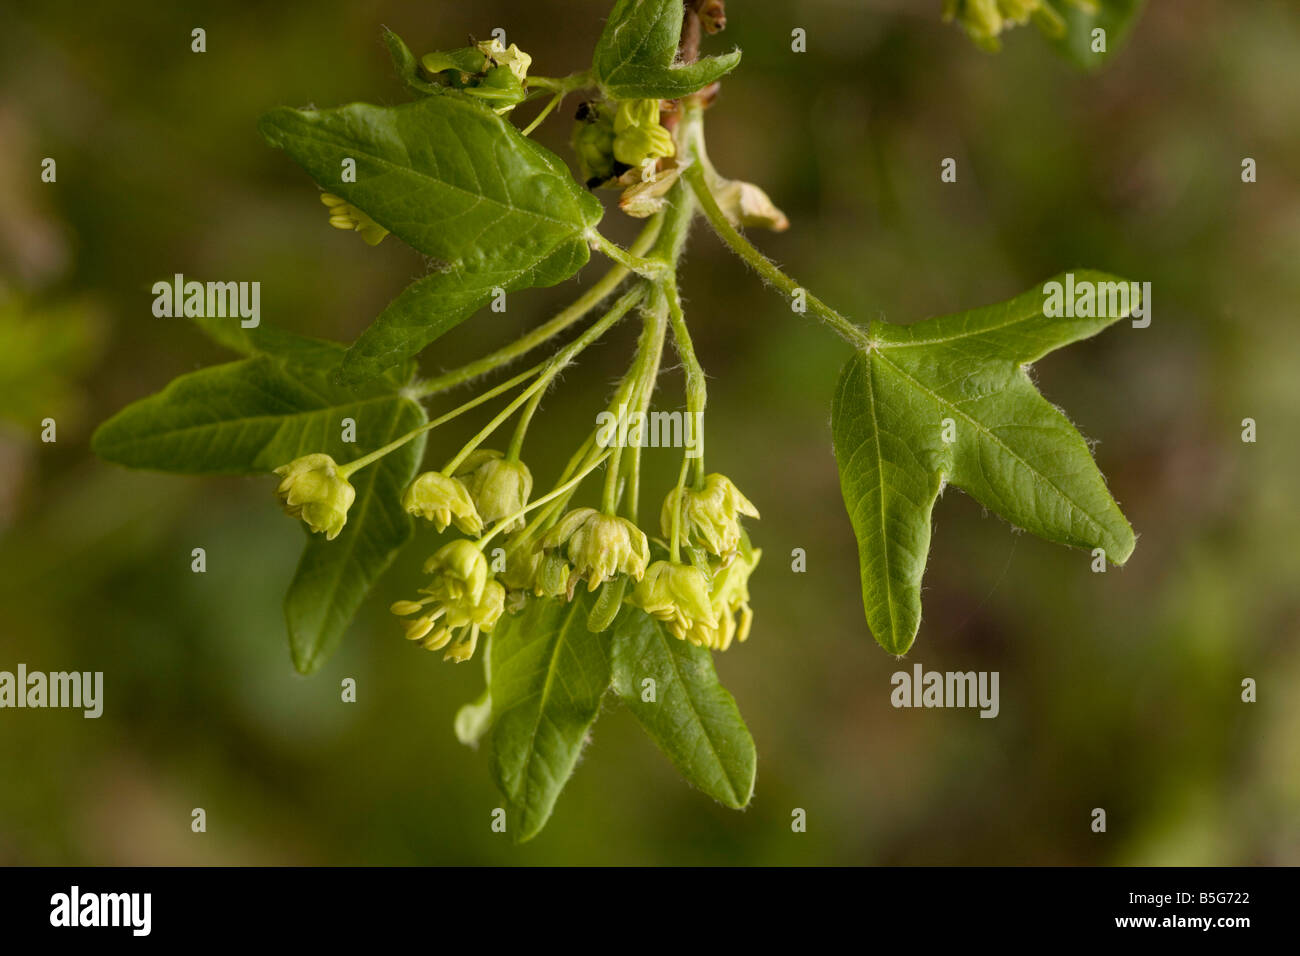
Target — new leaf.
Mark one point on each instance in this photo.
(547, 676)
(684, 709)
(962, 377)
(635, 57)
(458, 183)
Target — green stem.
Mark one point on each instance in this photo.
(741, 246)
(547, 330)
(521, 429)
(567, 486)
(696, 389)
(546, 111)
(567, 84)
(654, 269)
(553, 368)
(637, 386)
(675, 551)
(359, 463)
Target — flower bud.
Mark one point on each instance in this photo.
(634, 146)
(709, 517)
(599, 546)
(498, 488)
(312, 489)
(459, 569)
(554, 577)
(593, 143)
(638, 135)
(522, 562)
(442, 500)
(676, 593)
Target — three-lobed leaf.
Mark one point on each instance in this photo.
(635, 57)
(547, 676)
(963, 377)
(249, 417)
(457, 182)
(685, 710)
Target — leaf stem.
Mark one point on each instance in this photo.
(654, 269)
(741, 246)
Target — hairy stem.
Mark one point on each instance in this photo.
(547, 330)
(553, 368)
(477, 400)
(696, 389)
(695, 176)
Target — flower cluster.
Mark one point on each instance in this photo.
(984, 20)
(488, 70)
(614, 141)
(460, 602)
(704, 600)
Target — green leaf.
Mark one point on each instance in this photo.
(438, 303)
(242, 418)
(250, 416)
(548, 674)
(458, 183)
(1116, 17)
(334, 577)
(296, 351)
(635, 56)
(408, 67)
(693, 718)
(1013, 451)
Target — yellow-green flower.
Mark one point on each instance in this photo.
(443, 500)
(344, 215)
(638, 135)
(460, 602)
(709, 517)
(499, 488)
(677, 594)
(512, 58)
(598, 546)
(728, 598)
(312, 489)
(984, 20)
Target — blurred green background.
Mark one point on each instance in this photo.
(1118, 690)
